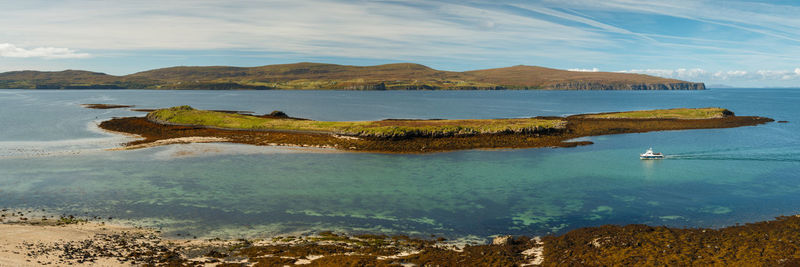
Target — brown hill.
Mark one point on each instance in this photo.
(300, 71)
(540, 77)
(401, 76)
(68, 76)
(68, 79)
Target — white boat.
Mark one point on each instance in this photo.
(650, 155)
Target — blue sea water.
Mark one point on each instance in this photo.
(53, 157)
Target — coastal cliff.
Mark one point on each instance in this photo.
(627, 86)
(302, 76)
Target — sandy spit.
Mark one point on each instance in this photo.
(179, 140)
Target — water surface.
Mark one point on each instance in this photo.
(52, 157)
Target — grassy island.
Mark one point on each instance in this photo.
(676, 113)
(186, 115)
(185, 124)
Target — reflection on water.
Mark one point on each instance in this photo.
(710, 178)
(649, 167)
(68, 147)
(180, 151)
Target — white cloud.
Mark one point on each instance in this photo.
(585, 70)
(730, 76)
(10, 50)
(682, 73)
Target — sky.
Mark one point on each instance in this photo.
(730, 42)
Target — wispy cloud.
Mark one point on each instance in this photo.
(10, 50)
(374, 29)
(777, 20)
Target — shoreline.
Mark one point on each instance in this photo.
(34, 242)
(156, 133)
(90, 243)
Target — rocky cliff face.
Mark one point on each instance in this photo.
(626, 86)
(363, 86)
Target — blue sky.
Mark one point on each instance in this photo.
(739, 43)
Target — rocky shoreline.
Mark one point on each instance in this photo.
(91, 243)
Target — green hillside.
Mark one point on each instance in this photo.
(402, 76)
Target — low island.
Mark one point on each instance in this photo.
(185, 124)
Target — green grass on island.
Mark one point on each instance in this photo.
(677, 113)
(187, 115)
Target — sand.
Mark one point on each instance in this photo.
(179, 140)
(27, 243)
(13, 236)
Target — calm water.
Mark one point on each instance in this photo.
(52, 157)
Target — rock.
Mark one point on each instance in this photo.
(727, 113)
(501, 240)
(278, 114)
(366, 86)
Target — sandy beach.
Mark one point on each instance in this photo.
(76, 242)
(18, 240)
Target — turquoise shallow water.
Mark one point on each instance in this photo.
(51, 157)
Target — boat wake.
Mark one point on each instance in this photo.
(776, 155)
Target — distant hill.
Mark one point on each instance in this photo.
(402, 76)
(547, 78)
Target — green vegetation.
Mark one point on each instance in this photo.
(70, 220)
(678, 113)
(770, 243)
(299, 76)
(187, 115)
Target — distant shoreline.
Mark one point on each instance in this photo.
(305, 76)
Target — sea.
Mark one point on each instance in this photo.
(54, 159)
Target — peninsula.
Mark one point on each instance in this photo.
(299, 76)
(185, 124)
